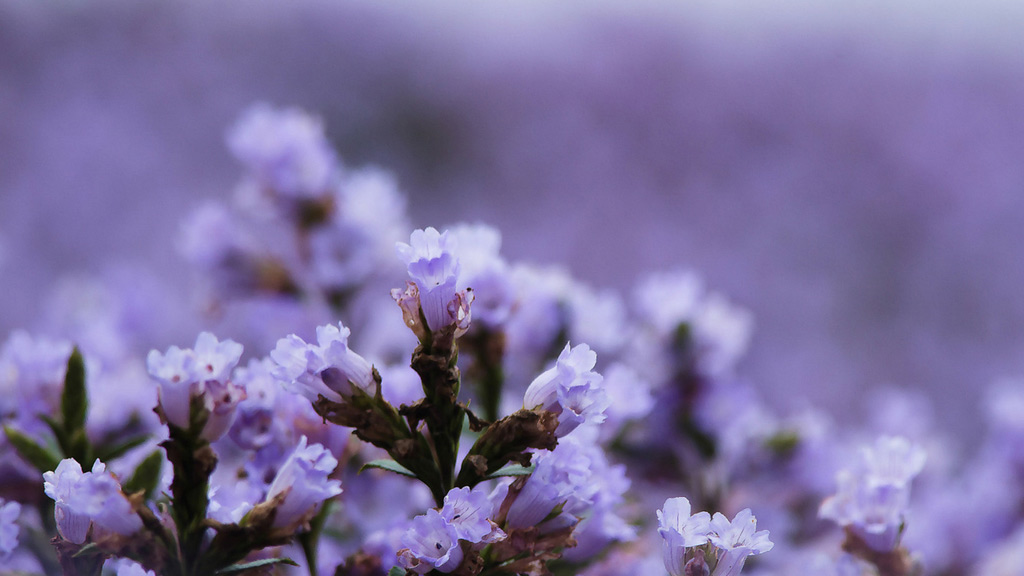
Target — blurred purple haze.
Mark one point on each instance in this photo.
(854, 181)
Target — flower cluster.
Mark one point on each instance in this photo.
(503, 419)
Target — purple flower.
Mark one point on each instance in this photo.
(433, 267)
(681, 531)
(132, 569)
(91, 498)
(430, 543)
(328, 368)
(9, 512)
(872, 498)
(285, 150)
(562, 476)
(736, 541)
(571, 389)
(202, 371)
(304, 479)
(719, 330)
(468, 511)
(483, 270)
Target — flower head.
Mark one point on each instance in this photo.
(736, 540)
(285, 150)
(873, 497)
(328, 368)
(304, 480)
(201, 371)
(433, 267)
(84, 499)
(571, 389)
(9, 512)
(431, 543)
(469, 512)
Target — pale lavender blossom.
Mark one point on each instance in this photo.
(87, 499)
(629, 397)
(599, 505)
(433, 266)
(571, 389)
(430, 543)
(9, 513)
(285, 150)
(210, 237)
(31, 378)
(737, 540)
(872, 498)
(328, 368)
(680, 530)
(128, 568)
(484, 271)
(719, 330)
(469, 511)
(563, 476)
(304, 480)
(233, 499)
(597, 317)
(201, 371)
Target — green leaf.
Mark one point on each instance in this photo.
(390, 466)
(510, 470)
(108, 453)
(256, 564)
(147, 475)
(63, 442)
(396, 571)
(90, 548)
(74, 403)
(35, 454)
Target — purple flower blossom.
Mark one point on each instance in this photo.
(285, 150)
(736, 541)
(304, 479)
(720, 331)
(91, 498)
(483, 270)
(469, 511)
(128, 568)
(202, 371)
(562, 476)
(9, 513)
(872, 498)
(328, 368)
(571, 389)
(431, 543)
(680, 531)
(433, 266)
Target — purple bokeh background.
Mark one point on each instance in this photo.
(852, 176)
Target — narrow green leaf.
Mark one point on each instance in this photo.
(108, 453)
(74, 403)
(147, 475)
(90, 548)
(63, 442)
(510, 470)
(256, 564)
(396, 571)
(79, 447)
(35, 454)
(390, 466)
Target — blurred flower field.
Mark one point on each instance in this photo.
(346, 288)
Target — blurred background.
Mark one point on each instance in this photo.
(851, 173)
